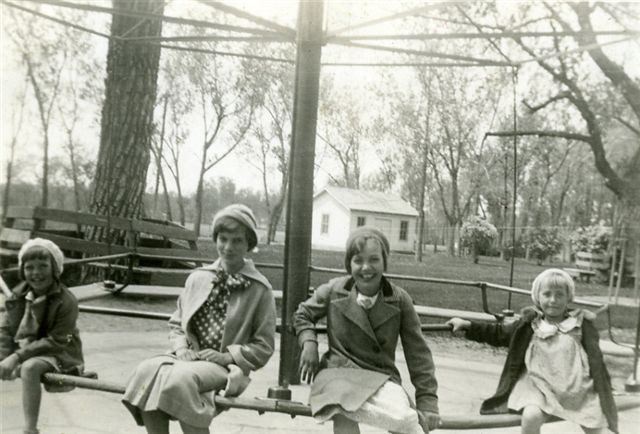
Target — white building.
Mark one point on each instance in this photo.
(337, 211)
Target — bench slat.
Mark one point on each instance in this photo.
(82, 246)
(14, 237)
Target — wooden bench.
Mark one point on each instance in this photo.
(175, 244)
(580, 274)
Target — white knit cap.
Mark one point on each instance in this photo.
(49, 246)
(554, 277)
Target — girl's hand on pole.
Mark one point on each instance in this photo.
(186, 354)
(459, 326)
(428, 420)
(309, 361)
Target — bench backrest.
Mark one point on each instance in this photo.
(592, 261)
(68, 228)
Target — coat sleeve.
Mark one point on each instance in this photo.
(7, 345)
(497, 334)
(59, 336)
(598, 371)
(177, 337)
(418, 357)
(310, 311)
(256, 353)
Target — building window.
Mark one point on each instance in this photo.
(404, 230)
(324, 226)
(361, 221)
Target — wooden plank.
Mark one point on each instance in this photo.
(142, 269)
(82, 218)
(82, 246)
(20, 212)
(9, 252)
(174, 253)
(164, 230)
(14, 237)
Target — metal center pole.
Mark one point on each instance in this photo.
(300, 199)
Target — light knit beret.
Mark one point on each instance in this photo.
(242, 214)
(49, 246)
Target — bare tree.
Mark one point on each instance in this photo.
(17, 117)
(226, 109)
(44, 56)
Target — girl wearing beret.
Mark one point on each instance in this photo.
(357, 379)
(554, 366)
(38, 332)
(222, 329)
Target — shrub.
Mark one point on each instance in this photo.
(477, 234)
(592, 239)
(543, 243)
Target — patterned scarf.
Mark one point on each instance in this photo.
(209, 320)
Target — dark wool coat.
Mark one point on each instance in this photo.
(58, 335)
(517, 336)
(368, 340)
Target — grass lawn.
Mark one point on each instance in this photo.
(437, 265)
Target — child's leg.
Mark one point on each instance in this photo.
(594, 430)
(532, 419)
(190, 429)
(30, 372)
(156, 422)
(344, 425)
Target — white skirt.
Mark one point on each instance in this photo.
(388, 408)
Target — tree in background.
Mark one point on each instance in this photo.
(477, 234)
(226, 109)
(16, 128)
(44, 53)
(127, 113)
(271, 131)
(455, 157)
(542, 243)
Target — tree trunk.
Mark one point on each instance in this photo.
(127, 113)
(6, 195)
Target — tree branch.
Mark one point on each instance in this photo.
(535, 108)
(541, 133)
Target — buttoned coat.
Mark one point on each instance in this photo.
(368, 339)
(517, 336)
(58, 335)
(250, 326)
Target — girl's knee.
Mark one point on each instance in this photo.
(533, 414)
(32, 369)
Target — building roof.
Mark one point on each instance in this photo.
(369, 201)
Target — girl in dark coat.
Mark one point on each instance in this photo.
(554, 366)
(38, 332)
(358, 380)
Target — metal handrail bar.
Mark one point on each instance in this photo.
(295, 408)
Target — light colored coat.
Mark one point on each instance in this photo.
(368, 340)
(249, 330)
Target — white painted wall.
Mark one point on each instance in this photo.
(339, 223)
(389, 224)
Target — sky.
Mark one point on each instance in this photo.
(338, 15)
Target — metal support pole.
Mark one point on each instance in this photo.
(300, 200)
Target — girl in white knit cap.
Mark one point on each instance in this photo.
(554, 366)
(38, 332)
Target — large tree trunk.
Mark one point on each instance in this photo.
(127, 114)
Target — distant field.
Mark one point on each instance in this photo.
(437, 265)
